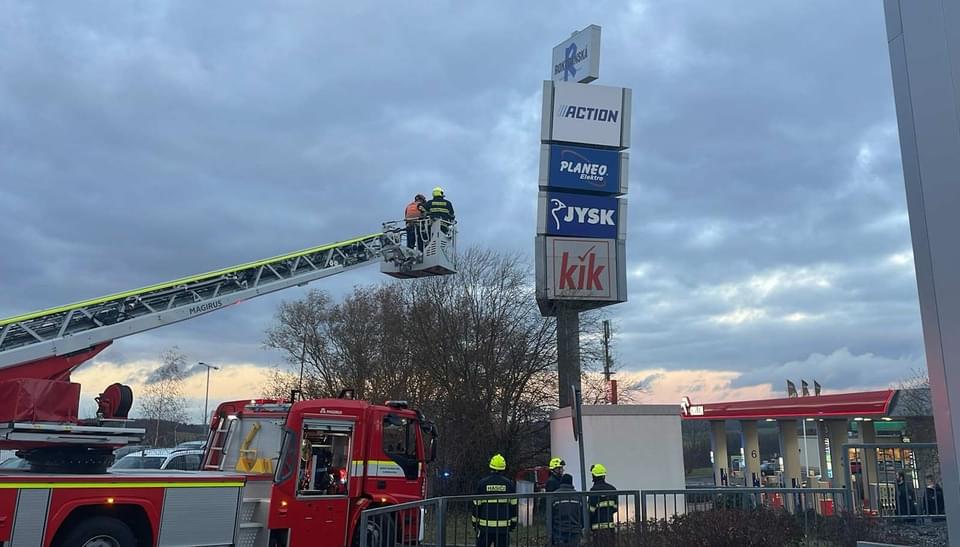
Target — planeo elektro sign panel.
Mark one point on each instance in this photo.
(594, 170)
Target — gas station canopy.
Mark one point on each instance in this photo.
(864, 404)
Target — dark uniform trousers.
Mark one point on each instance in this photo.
(495, 518)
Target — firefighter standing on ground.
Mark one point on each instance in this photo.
(556, 466)
(416, 210)
(495, 518)
(566, 515)
(603, 508)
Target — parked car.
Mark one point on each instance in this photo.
(191, 445)
(124, 450)
(160, 458)
(14, 463)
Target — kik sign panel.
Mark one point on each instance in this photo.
(579, 215)
(584, 169)
(581, 269)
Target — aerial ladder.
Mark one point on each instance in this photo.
(39, 350)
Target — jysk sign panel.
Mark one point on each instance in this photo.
(584, 169)
(580, 215)
(577, 59)
(586, 114)
(581, 269)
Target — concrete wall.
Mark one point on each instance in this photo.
(640, 445)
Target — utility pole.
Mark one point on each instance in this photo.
(606, 351)
(206, 397)
(610, 386)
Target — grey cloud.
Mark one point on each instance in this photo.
(146, 143)
(838, 370)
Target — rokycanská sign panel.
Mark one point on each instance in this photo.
(577, 59)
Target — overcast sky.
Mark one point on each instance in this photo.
(768, 234)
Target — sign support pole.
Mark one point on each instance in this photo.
(577, 412)
(568, 352)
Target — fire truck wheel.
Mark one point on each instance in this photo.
(100, 532)
(379, 533)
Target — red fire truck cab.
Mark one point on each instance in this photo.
(312, 467)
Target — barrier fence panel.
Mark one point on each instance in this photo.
(666, 504)
(563, 518)
(899, 481)
(596, 518)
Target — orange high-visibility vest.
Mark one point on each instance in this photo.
(412, 212)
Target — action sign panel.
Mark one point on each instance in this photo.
(580, 215)
(577, 59)
(586, 114)
(584, 169)
(581, 269)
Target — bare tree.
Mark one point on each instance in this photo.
(470, 350)
(162, 398)
(916, 407)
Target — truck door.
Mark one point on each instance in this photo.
(323, 481)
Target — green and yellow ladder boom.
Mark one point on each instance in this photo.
(47, 338)
(49, 344)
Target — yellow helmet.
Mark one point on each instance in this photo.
(598, 470)
(497, 463)
(556, 463)
(437, 192)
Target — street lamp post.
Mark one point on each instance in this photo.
(206, 397)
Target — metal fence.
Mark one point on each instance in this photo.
(666, 504)
(895, 480)
(451, 521)
(448, 521)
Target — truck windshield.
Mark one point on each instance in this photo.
(400, 443)
(253, 445)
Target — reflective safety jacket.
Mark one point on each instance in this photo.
(413, 211)
(603, 508)
(495, 513)
(440, 208)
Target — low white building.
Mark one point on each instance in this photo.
(640, 445)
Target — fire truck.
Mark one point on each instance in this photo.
(275, 472)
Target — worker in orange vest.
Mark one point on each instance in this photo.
(416, 211)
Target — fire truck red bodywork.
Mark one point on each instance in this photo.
(43, 509)
(275, 505)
